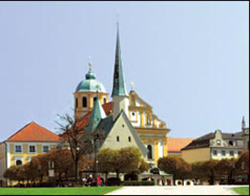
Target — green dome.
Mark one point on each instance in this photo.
(90, 84)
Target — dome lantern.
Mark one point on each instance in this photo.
(90, 83)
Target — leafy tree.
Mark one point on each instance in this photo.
(143, 166)
(62, 160)
(40, 163)
(209, 170)
(29, 172)
(14, 173)
(226, 167)
(242, 164)
(105, 161)
(10, 173)
(130, 158)
(125, 160)
(197, 170)
(173, 165)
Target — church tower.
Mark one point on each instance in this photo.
(119, 94)
(85, 94)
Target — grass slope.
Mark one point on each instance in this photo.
(242, 190)
(57, 191)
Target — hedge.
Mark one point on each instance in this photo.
(138, 183)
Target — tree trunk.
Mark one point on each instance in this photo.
(106, 178)
(41, 179)
(212, 180)
(76, 170)
(60, 177)
(66, 175)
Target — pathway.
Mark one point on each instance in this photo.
(176, 190)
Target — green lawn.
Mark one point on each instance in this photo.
(242, 190)
(57, 191)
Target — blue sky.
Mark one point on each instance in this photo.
(189, 60)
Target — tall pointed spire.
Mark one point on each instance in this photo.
(119, 86)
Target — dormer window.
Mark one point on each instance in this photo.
(104, 100)
(218, 143)
(232, 143)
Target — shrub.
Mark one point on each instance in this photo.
(113, 182)
(138, 183)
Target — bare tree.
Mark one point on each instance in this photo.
(78, 140)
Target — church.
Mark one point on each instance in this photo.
(127, 120)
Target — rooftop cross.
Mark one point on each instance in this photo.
(90, 63)
(98, 88)
(132, 86)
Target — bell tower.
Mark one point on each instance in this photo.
(85, 94)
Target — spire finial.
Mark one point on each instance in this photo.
(132, 86)
(90, 63)
(243, 123)
(117, 17)
(97, 90)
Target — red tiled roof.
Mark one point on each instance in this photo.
(107, 107)
(176, 144)
(33, 132)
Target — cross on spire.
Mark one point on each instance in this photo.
(132, 86)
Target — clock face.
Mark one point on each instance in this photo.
(247, 131)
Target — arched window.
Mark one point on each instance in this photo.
(104, 100)
(218, 143)
(76, 103)
(95, 99)
(148, 118)
(84, 102)
(19, 162)
(150, 155)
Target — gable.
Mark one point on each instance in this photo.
(137, 101)
(119, 135)
(33, 132)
